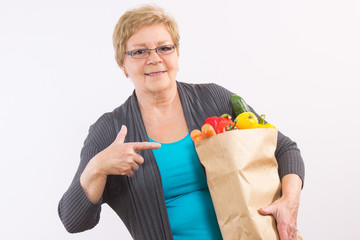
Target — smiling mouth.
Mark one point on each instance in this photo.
(153, 74)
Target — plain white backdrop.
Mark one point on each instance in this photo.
(298, 62)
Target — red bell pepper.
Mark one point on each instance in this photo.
(220, 124)
(213, 121)
(222, 127)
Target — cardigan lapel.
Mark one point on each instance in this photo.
(145, 186)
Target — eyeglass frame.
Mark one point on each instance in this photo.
(130, 53)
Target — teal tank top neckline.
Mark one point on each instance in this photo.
(179, 141)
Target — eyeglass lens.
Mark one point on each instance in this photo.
(161, 50)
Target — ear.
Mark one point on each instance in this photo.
(124, 70)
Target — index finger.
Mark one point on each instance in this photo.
(139, 146)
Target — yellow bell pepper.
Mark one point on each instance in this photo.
(246, 120)
(262, 121)
(268, 125)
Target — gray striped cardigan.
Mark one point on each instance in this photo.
(139, 200)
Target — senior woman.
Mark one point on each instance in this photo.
(160, 192)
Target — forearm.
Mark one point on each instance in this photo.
(291, 188)
(93, 181)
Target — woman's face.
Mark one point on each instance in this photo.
(155, 73)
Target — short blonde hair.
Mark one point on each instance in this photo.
(132, 20)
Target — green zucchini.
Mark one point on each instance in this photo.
(238, 105)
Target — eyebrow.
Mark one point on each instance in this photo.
(158, 44)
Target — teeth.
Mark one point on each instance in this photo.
(154, 73)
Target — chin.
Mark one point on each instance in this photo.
(162, 84)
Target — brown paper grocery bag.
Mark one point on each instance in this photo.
(242, 175)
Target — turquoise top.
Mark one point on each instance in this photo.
(187, 198)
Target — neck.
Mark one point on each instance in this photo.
(161, 100)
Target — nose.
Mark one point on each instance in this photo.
(154, 57)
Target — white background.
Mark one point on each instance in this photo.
(295, 61)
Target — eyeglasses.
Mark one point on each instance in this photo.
(145, 52)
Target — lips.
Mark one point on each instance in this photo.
(153, 74)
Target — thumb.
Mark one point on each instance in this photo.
(266, 210)
(121, 135)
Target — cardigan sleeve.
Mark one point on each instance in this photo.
(75, 210)
(287, 155)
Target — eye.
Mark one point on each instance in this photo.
(138, 52)
(165, 48)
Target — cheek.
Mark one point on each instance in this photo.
(134, 69)
(174, 64)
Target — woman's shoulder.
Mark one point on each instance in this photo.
(200, 86)
(105, 128)
(205, 88)
(209, 92)
(204, 100)
(108, 118)
(102, 131)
